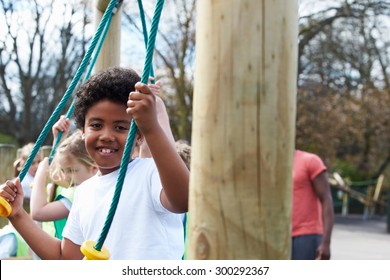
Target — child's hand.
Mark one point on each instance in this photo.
(63, 125)
(13, 193)
(142, 106)
(155, 88)
(43, 168)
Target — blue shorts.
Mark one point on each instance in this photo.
(304, 247)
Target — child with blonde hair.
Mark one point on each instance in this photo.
(71, 166)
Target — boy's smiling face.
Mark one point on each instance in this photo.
(105, 131)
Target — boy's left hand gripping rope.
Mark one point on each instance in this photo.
(5, 208)
(90, 253)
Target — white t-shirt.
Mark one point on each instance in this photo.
(26, 184)
(141, 229)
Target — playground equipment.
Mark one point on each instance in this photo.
(7, 155)
(243, 131)
(369, 200)
(95, 250)
(98, 38)
(5, 207)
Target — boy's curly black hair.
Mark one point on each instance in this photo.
(114, 84)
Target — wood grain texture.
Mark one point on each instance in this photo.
(243, 130)
(110, 51)
(7, 158)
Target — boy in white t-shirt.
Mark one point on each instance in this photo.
(148, 219)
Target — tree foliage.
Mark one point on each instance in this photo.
(175, 58)
(343, 95)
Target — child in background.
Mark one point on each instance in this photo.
(184, 151)
(71, 166)
(148, 221)
(11, 243)
(24, 153)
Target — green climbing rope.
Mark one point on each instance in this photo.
(133, 129)
(57, 111)
(87, 75)
(145, 32)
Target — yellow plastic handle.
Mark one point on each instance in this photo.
(5, 208)
(91, 253)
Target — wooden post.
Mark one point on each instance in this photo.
(243, 130)
(7, 156)
(46, 150)
(345, 195)
(110, 52)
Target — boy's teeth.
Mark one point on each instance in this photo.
(106, 151)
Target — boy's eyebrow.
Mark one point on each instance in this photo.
(92, 119)
(95, 119)
(122, 121)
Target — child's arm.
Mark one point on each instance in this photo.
(44, 245)
(173, 172)
(40, 208)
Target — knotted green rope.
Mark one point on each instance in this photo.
(133, 129)
(57, 111)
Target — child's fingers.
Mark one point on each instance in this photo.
(9, 191)
(19, 188)
(63, 124)
(134, 96)
(155, 89)
(142, 88)
(142, 92)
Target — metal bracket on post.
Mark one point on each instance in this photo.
(117, 7)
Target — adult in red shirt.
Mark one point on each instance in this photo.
(312, 212)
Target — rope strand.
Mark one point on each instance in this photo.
(56, 113)
(87, 75)
(133, 130)
(145, 32)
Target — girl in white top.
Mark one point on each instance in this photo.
(23, 154)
